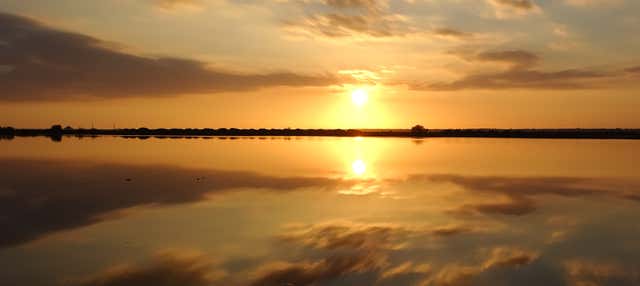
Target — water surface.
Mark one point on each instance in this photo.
(319, 211)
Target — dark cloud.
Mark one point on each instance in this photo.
(446, 231)
(522, 79)
(41, 197)
(45, 63)
(518, 193)
(633, 70)
(517, 4)
(517, 58)
(513, 206)
(166, 269)
(453, 33)
(519, 75)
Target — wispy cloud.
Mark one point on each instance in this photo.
(519, 74)
(351, 18)
(505, 9)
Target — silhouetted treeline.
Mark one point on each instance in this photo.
(56, 132)
(7, 132)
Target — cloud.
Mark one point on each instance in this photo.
(451, 33)
(166, 268)
(368, 4)
(505, 9)
(593, 3)
(522, 79)
(351, 18)
(515, 4)
(48, 64)
(43, 197)
(518, 75)
(517, 59)
(171, 5)
(633, 70)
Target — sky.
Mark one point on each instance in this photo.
(320, 63)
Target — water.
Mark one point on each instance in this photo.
(319, 211)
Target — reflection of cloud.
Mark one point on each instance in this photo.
(407, 268)
(167, 268)
(348, 235)
(48, 196)
(509, 257)
(500, 258)
(315, 273)
(512, 206)
(45, 63)
(451, 230)
(519, 192)
(586, 273)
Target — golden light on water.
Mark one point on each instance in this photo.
(358, 167)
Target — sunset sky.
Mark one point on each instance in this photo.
(320, 63)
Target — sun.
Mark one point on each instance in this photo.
(359, 96)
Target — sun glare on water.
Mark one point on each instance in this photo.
(359, 97)
(359, 167)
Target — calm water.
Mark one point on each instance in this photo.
(319, 211)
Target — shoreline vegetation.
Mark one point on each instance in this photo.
(57, 132)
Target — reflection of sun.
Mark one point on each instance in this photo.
(359, 96)
(358, 167)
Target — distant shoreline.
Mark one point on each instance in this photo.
(56, 133)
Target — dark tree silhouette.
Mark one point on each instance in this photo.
(56, 128)
(418, 129)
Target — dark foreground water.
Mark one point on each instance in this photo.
(319, 211)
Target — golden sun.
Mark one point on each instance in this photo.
(359, 96)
